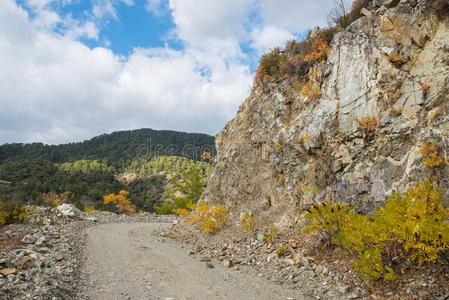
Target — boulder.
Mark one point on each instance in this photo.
(69, 210)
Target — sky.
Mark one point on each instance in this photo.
(74, 69)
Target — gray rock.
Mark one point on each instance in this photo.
(29, 239)
(69, 210)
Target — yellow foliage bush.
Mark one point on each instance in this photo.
(248, 222)
(54, 199)
(210, 218)
(432, 156)
(88, 208)
(311, 91)
(14, 212)
(271, 235)
(121, 202)
(413, 226)
(282, 250)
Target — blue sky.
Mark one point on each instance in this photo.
(73, 69)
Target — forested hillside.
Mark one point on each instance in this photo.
(116, 148)
(142, 162)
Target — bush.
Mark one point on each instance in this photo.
(271, 235)
(121, 202)
(344, 15)
(88, 208)
(282, 250)
(311, 91)
(412, 226)
(54, 199)
(273, 66)
(319, 51)
(185, 191)
(14, 212)
(210, 218)
(432, 156)
(248, 222)
(328, 219)
(368, 123)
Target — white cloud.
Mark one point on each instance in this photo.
(107, 8)
(201, 20)
(295, 15)
(55, 89)
(269, 37)
(156, 7)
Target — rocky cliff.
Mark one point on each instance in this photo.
(383, 95)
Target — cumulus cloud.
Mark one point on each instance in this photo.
(294, 15)
(268, 37)
(201, 20)
(54, 89)
(156, 7)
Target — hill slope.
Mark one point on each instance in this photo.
(117, 147)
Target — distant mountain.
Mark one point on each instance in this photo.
(117, 148)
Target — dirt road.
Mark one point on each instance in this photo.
(127, 261)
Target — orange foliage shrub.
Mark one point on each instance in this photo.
(368, 124)
(319, 51)
(206, 156)
(121, 202)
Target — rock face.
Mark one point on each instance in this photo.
(282, 152)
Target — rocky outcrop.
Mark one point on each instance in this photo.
(383, 95)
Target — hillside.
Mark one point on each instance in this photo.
(142, 162)
(116, 148)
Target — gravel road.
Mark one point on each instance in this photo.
(127, 261)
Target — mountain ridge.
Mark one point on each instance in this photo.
(116, 146)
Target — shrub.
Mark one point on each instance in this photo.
(368, 124)
(273, 66)
(14, 212)
(210, 218)
(248, 222)
(311, 91)
(271, 235)
(344, 15)
(319, 51)
(327, 219)
(412, 226)
(164, 208)
(206, 156)
(282, 250)
(54, 199)
(89, 208)
(396, 58)
(184, 193)
(432, 156)
(121, 202)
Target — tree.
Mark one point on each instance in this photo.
(339, 15)
(121, 202)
